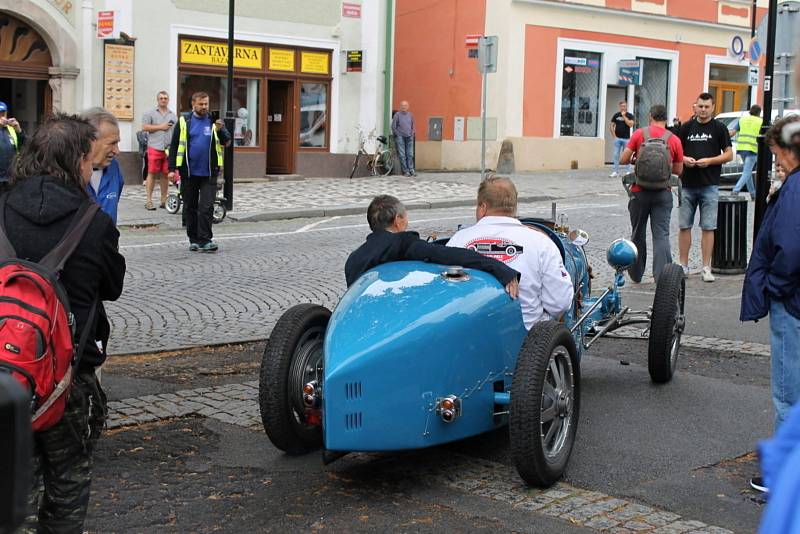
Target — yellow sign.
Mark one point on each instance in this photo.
(214, 53)
(281, 59)
(314, 62)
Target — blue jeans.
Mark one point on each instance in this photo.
(750, 159)
(707, 199)
(785, 347)
(405, 151)
(619, 146)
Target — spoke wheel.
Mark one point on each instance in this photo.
(545, 404)
(220, 211)
(667, 323)
(384, 163)
(173, 204)
(292, 358)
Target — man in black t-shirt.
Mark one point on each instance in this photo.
(620, 128)
(706, 146)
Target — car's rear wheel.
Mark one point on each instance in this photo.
(292, 358)
(666, 324)
(545, 404)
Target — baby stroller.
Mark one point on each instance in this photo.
(175, 202)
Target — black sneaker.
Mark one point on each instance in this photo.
(757, 483)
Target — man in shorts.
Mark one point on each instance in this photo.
(706, 147)
(158, 124)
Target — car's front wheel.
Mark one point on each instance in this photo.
(292, 358)
(545, 404)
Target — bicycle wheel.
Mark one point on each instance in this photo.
(355, 164)
(384, 163)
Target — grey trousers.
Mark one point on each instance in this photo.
(656, 206)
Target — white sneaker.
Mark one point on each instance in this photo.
(685, 270)
(707, 276)
(613, 175)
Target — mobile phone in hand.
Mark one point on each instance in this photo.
(214, 115)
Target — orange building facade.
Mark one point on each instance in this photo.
(562, 71)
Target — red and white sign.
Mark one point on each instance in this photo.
(471, 41)
(105, 24)
(351, 10)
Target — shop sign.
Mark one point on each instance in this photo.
(216, 53)
(118, 80)
(630, 72)
(575, 61)
(105, 24)
(281, 59)
(314, 62)
(355, 60)
(351, 10)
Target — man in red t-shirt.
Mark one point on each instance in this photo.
(653, 204)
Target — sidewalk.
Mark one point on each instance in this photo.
(320, 197)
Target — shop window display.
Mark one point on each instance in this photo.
(313, 114)
(246, 94)
(580, 93)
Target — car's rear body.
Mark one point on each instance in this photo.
(404, 336)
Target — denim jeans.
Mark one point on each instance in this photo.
(405, 151)
(704, 197)
(619, 146)
(656, 206)
(785, 348)
(750, 159)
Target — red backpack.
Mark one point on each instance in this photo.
(37, 327)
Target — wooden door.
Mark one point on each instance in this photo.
(728, 96)
(280, 127)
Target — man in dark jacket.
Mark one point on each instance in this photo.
(39, 209)
(389, 241)
(196, 152)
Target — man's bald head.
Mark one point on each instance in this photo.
(497, 196)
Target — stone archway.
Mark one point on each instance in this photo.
(59, 36)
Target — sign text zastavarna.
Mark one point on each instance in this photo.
(213, 53)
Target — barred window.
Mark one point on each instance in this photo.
(580, 92)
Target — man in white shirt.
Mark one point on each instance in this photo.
(545, 289)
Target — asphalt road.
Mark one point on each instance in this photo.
(684, 448)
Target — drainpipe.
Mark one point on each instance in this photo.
(387, 73)
(87, 42)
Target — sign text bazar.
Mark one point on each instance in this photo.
(213, 53)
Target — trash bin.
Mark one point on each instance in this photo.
(730, 237)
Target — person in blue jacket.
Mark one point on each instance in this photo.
(772, 283)
(106, 183)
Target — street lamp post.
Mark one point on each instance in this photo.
(230, 120)
(764, 155)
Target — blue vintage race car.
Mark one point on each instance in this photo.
(419, 354)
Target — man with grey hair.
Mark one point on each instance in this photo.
(105, 186)
(545, 289)
(390, 241)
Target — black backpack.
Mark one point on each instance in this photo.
(654, 161)
(141, 138)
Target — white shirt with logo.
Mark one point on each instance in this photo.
(545, 288)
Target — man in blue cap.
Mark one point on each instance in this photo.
(11, 139)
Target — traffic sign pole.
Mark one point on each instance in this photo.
(483, 128)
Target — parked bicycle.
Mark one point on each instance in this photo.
(380, 163)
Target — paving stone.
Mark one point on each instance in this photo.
(659, 519)
(601, 523)
(680, 527)
(638, 526)
(629, 511)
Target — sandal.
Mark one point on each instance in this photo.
(149, 206)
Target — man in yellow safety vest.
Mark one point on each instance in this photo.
(747, 147)
(196, 152)
(11, 138)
